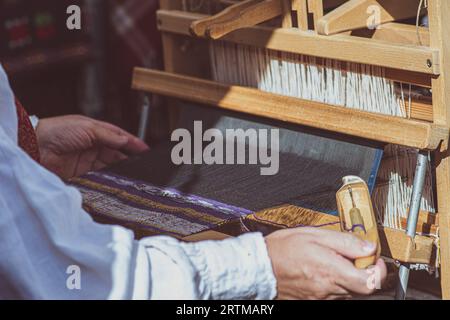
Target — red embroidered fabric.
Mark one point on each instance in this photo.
(27, 136)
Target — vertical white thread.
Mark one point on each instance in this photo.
(357, 86)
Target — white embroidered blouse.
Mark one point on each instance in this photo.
(51, 249)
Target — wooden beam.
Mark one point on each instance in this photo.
(286, 16)
(396, 33)
(339, 47)
(419, 110)
(357, 14)
(387, 129)
(300, 7)
(423, 228)
(315, 7)
(394, 243)
(439, 15)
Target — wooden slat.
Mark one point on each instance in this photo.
(396, 33)
(394, 243)
(301, 9)
(286, 18)
(179, 22)
(339, 47)
(316, 8)
(424, 228)
(411, 133)
(421, 111)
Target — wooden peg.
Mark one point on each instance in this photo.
(358, 14)
(198, 28)
(244, 14)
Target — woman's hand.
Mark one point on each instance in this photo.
(73, 145)
(312, 263)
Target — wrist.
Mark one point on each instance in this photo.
(243, 270)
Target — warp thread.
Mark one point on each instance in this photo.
(345, 84)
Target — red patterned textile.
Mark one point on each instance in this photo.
(27, 136)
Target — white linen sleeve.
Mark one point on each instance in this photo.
(52, 249)
(236, 268)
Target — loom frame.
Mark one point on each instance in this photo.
(390, 48)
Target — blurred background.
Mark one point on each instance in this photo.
(56, 71)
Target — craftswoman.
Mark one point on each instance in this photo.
(52, 249)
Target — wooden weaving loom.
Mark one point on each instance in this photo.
(333, 29)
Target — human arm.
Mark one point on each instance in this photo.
(44, 231)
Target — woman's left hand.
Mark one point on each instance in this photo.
(73, 145)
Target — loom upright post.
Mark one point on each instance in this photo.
(414, 209)
(439, 15)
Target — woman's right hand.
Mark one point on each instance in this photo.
(311, 263)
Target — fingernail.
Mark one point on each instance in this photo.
(123, 139)
(368, 246)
